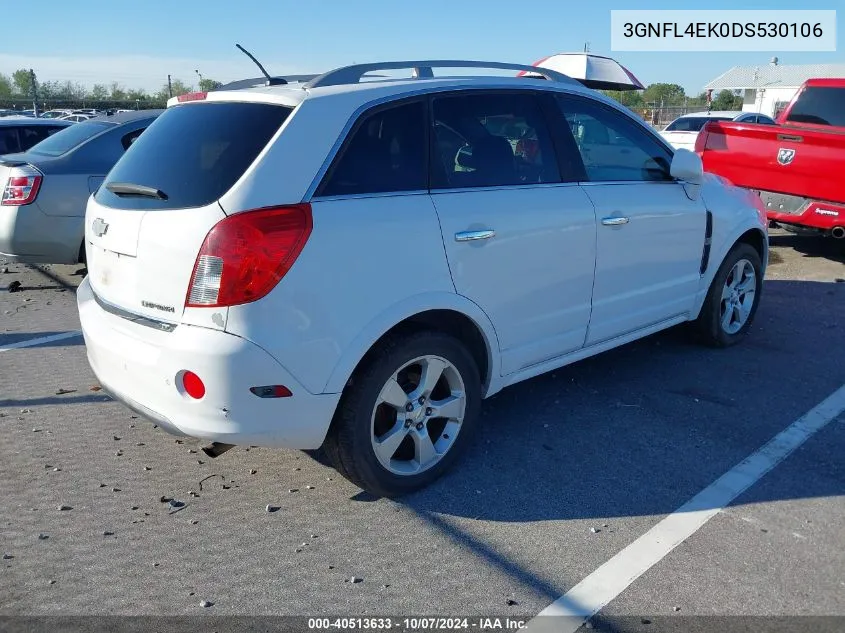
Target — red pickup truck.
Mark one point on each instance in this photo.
(797, 166)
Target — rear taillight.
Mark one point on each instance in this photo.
(22, 186)
(245, 255)
(701, 139)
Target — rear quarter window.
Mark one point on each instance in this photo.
(193, 153)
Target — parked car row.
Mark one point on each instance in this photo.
(243, 284)
(47, 184)
(683, 131)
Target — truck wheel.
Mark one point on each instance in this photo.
(733, 297)
(408, 414)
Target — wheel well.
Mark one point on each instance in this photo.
(450, 322)
(755, 239)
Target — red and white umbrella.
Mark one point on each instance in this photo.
(594, 71)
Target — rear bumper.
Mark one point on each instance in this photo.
(818, 215)
(28, 235)
(139, 366)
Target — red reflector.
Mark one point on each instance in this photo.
(246, 254)
(192, 96)
(193, 385)
(271, 391)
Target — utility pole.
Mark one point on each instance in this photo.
(586, 47)
(199, 74)
(34, 92)
(169, 87)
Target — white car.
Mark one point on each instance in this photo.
(354, 265)
(683, 131)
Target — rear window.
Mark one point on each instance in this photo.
(69, 138)
(692, 124)
(821, 106)
(193, 154)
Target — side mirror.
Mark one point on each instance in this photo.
(687, 167)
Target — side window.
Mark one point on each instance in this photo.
(385, 152)
(9, 140)
(128, 139)
(32, 135)
(486, 140)
(612, 147)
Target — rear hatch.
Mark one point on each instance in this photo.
(146, 223)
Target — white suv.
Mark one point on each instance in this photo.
(354, 264)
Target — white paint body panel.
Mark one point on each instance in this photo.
(552, 287)
(534, 278)
(647, 270)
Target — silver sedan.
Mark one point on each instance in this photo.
(45, 189)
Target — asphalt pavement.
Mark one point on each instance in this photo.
(569, 470)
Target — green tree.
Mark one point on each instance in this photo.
(117, 92)
(726, 100)
(209, 84)
(5, 86)
(99, 92)
(631, 98)
(666, 94)
(50, 90)
(179, 88)
(23, 82)
(137, 95)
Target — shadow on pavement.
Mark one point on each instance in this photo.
(639, 430)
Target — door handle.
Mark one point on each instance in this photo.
(614, 221)
(471, 236)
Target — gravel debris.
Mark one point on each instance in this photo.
(64, 508)
(355, 580)
(43, 537)
(271, 508)
(205, 604)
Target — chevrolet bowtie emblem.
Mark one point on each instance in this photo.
(99, 227)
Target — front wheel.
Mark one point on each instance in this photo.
(407, 415)
(733, 297)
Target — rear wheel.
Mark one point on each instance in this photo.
(733, 297)
(408, 414)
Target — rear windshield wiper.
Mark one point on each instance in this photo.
(131, 189)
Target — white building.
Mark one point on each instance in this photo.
(768, 88)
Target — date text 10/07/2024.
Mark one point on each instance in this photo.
(492, 624)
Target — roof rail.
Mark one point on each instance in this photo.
(423, 70)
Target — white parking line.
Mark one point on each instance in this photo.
(41, 340)
(595, 591)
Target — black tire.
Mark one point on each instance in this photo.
(348, 444)
(708, 326)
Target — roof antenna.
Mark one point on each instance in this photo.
(271, 81)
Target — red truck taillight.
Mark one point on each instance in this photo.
(21, 186)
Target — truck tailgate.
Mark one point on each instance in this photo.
(783, 159)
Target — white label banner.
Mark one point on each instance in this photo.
(723, 30)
